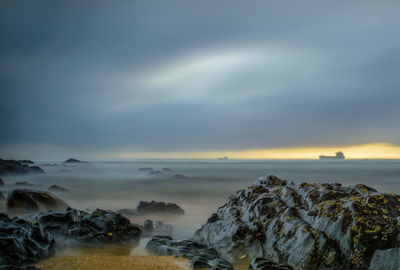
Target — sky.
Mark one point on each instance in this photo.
(201, 79)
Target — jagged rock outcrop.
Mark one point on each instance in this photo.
(154, 207)
(307, 226)
(200, 255)
(22, 242)
(16, 167)
(21, 201)
(100, 226)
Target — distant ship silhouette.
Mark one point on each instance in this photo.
(223, 158)
(339, 155)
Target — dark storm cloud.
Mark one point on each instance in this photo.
(189, 76)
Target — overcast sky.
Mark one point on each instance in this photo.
(113, 76)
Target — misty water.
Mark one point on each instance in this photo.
(206, 186)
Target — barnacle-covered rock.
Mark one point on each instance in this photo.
(265, 264)
(307, 226)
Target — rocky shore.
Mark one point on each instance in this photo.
(274, 224)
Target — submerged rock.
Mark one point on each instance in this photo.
(265, 264)
(31, 201)
(1, 182)
(307, 226)
(154, 207)
(16, 167)
(200, 256)
(2, 198)
(57, 188)
(100, 226)
(21, 242)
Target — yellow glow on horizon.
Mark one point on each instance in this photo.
(365, 151)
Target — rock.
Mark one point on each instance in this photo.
(30, 201)
(145, 169)
(179, 176)
(57, 188)
(100, 226)
(148, 227)
(159, 208)
(127, 212)
(167, 170)
(23, 183)
(265, 264)
(73, 160)
(1, 182)
(200, 255)
(21, 242)
(15, 167)
(306, 226)
(2, 198)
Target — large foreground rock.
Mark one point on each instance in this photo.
(16, 167)
(30, 201)
(100, 226)
(307, 226)
(200, 255)
(21, 242)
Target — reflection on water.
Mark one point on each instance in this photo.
(206, 186)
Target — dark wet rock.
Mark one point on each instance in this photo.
(1, 182)
(167, 170)
(159, 208)
(265, 264)
(179, 176)
(29, 201)
(57, 188)
(23, 183)
(100, 226)
(146, 169)
(200, 256)
(16, 167)
(61, 222)
(21, 242)
(306, 226)
(148, 227)
(2, 198)
(156, 173)
(12, 267)
(73, 160)
(127, 212)
(26, 161)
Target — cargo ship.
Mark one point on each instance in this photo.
(339, 155)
